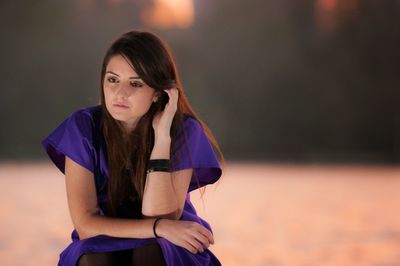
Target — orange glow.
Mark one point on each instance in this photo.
(327, 5)
(327, 13)
(169, 14)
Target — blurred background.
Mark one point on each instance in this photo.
(302, 96)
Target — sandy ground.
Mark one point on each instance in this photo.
(264, 215)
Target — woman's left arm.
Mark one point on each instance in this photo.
(164, 192)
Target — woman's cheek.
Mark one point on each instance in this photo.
(110, 90)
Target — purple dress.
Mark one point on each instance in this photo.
(80, 138)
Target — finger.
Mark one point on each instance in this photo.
(197, 245)
(191, 247)
(173, 97)
(194, 242)
(171, 92)
(203, 239)
(174, 91)
(207, 234)
(170, 96)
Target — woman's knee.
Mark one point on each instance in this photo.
(148, 255)
(95, 259)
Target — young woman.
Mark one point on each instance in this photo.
(131, 161)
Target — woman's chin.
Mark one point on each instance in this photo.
(120, 116)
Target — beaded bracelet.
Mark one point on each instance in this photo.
(154, 227)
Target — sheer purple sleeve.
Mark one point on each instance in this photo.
(191, 149)
(72, 138)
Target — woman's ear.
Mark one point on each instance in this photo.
(156, 96)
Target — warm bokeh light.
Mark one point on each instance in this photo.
(169, 14)
(326, 13)
(327, 5)
(162, 14)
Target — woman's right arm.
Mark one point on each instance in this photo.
(84, 211)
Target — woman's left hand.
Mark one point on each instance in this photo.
(162, 121)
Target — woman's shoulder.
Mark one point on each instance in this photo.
(189, 130)
(88, 112)
(76, 137)
(86, 117)
(190, 121)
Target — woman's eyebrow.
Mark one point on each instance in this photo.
(118, 75)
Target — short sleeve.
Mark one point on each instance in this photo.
(192, 149)
(72, 138)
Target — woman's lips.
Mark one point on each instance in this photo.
(120, 105)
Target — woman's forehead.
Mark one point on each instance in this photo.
(120, 66)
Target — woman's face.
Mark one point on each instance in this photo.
(127, 97)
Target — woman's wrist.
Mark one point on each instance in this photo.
(161, 149)
(162, 137)
(155, 223)
(159, 227)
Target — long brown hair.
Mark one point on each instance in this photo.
(128, 155)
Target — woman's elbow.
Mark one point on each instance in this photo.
(179, 214)
(83, 233)
(83, 230)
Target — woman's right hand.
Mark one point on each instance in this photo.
(186, 234)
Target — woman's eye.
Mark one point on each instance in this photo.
(136, 84)
(133, 84)
(112, 80)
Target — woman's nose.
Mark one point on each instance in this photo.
(122, 90)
